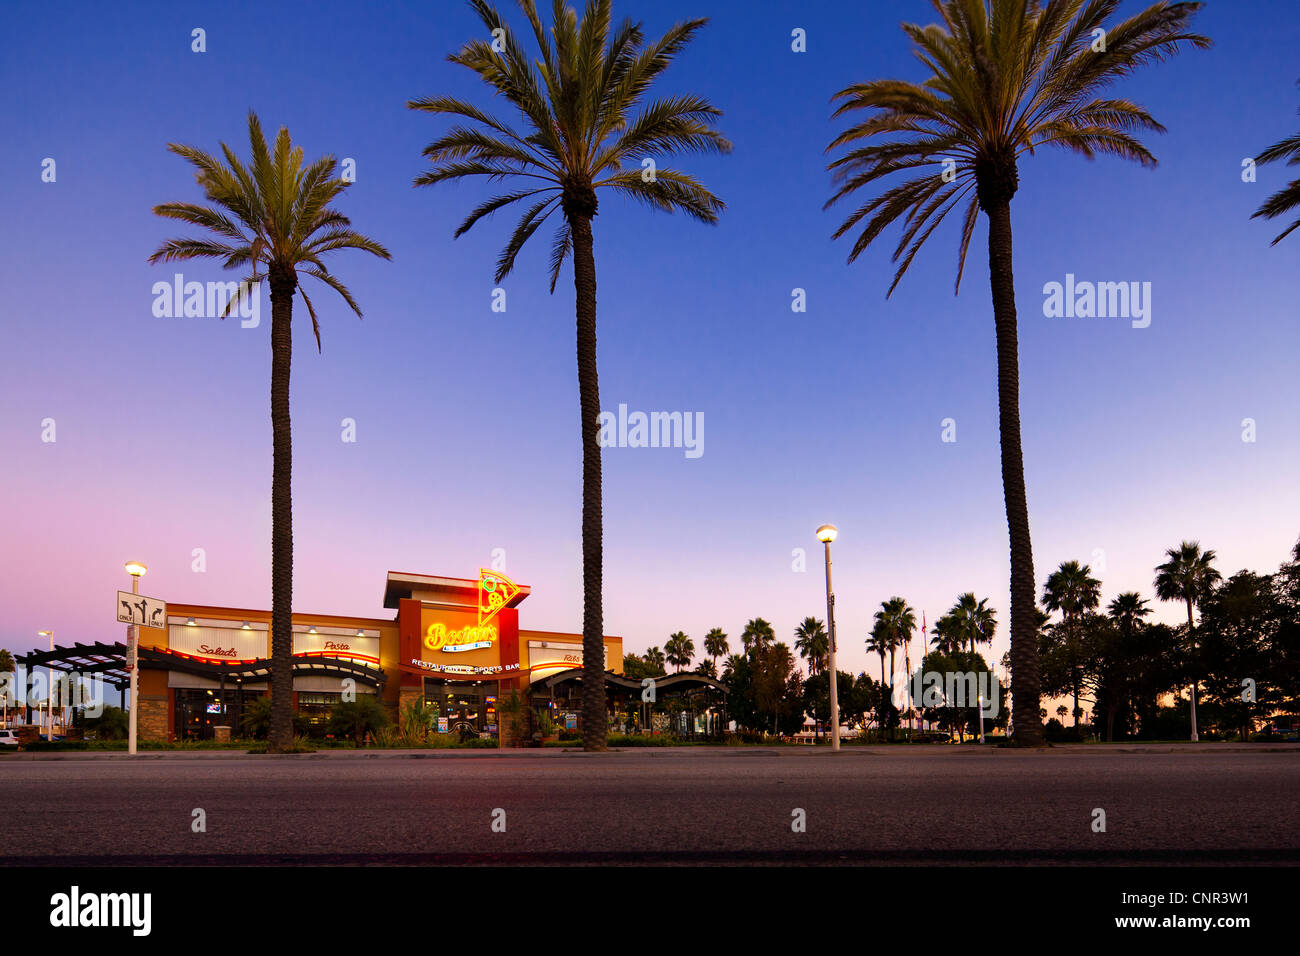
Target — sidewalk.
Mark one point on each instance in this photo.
(550, 753)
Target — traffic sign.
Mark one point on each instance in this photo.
(141, 610)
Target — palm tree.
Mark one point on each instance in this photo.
(1127, 610)
(879, 642)
(276, 215)
(947, 635)
(813, 644)
(679, 650)
(1188, 576)
(584, 130)
(7, 666)
(973, 620)
(732, 662)
(1287, 199)
(757, 634)
(898, 621)
(655, 658)
(1006, 77)
(1073, 591)
(715, 644)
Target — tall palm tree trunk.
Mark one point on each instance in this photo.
(594, 719)
(280, 734)
(1025, 688)
(1192, 641)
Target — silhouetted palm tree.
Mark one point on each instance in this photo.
(973, 620)
(584, 130)
(757, 634)
(1073, 591)
(813, 644)
(1006, 78)
(679, 649)
(1188, 576)
(1287, 199)
(715, 644)
(273, 215)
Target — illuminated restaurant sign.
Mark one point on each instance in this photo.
(495, 591)
(439, 637)
(217, 643)
(307, 644)
(463, 668)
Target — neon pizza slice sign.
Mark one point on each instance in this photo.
(495, 591)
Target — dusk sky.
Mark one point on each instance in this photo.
(467, 419)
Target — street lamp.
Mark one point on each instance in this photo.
(49, 690)
(136, 570)
(826, 534)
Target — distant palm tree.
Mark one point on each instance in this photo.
(1061, 711)
(813, 644)
(1287, 199)
(1006, 78)
(1072, 590)
(1187, 575)
(584, 130)
(715, 644)
(973, 620)
(757, 634)
(276, 215)
(899, 621)
(679, 649)
(1127, 610)
(655, 658)
(6, 667)
(947, 633)
(879, 642)
(729, 666)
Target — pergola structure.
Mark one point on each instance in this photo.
(108, 660)
(624, 688)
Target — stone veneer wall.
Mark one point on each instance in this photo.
(151, 721)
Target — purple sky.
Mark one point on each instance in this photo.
(467, 436)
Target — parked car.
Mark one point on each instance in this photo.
(9, 738)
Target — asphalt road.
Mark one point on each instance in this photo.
(937, 805)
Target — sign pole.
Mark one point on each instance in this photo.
(131, 662)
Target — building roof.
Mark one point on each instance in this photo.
(461, 592)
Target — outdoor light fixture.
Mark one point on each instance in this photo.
(190, 622)
(246, 626)
(135, 569)
(826, 534)
(311, 630)
(361, 633)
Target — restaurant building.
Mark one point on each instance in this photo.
(454, 643)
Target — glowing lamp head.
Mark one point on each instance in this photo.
(826, 533)
(45, 633)
(135, 569)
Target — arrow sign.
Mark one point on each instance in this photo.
(141, 610)
(495, 591)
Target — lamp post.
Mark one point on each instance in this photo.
(136, 570)
(49, 690)
(826, 534)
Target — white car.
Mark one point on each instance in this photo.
(8, 738)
